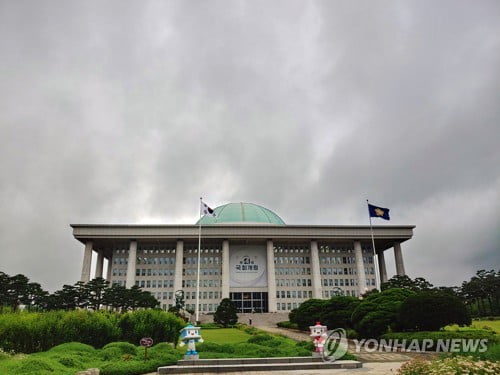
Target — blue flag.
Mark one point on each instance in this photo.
(380, 212)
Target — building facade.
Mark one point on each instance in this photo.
(247, 254)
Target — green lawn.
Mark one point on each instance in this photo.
(224, 335)
(478, 324)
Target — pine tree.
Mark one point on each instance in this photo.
(226, 313)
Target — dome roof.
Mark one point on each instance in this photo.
(242, 213)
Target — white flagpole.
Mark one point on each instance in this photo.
(198, 272)
(378, 281)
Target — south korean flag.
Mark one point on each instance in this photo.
(205, 210)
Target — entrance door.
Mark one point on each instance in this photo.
(248, 302)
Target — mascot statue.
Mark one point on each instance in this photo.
(319, 335)
(191, 335)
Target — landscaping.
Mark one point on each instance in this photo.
(128, 359)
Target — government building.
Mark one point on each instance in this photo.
(248, 254)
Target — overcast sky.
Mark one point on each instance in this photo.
(128, 112)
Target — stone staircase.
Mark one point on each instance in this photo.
(255, 364)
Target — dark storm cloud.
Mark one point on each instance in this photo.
(129, 111)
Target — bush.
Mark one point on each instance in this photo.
(34, 332)
(73, 347)
(338, 311)
(93, 328)
(157, 324)
(308, 313)
(415, 313)
(379, 312)
(287, 324)
(123, 347)
(449, 365)
(226, 313)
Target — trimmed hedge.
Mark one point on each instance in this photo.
(28, 332)
(287, 324)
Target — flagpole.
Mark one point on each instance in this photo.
(378, 281)
(198, 272)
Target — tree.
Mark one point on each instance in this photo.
(404, 282)
(375, 314)
(308, 313)
(337, 311)
(430, 311)
(226, 313)
(95, 291)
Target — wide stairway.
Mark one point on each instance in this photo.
(255, 364)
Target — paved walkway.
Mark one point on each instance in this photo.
(362, 356)
(378, 368)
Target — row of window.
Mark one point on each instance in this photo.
(339, 292)
(203, 271)
(292, 260)
(340, 282)
(292, 271)
(168, 272)
(203, 260)
(203, 283)
(155, 284)
(291, 249)
(160, 260)
(338, 271)
(154, 272)
(293, 282)
(294, 294)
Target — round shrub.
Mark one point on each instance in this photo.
(68, 361)
(308, 313)
(93, 328)
(34, 366)
(378, 312)
(260, 338)
(73, 347)
(162, 348)
(430, 311)
(161, 326)
(337, 312)
(123, 347)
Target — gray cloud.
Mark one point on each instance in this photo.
(128, 112)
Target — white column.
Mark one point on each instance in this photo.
(132, 257)
(225, 269)
(381, 267)
(271, 277)
(179, 265)
(315, 272)
(398, 255)
(99, 264)
(87, 260)
(110, 267)
(360, 266)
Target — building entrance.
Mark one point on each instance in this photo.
(248, 302)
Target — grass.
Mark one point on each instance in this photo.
(225, 336)
(493, 325)
(122, 358)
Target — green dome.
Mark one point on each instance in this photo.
(242, 213)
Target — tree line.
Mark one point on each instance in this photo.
(96, 294)
(481, 294)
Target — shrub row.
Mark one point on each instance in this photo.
(34, 332)
(288, 324)
(117, 358)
